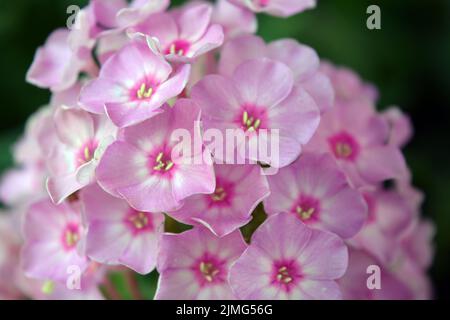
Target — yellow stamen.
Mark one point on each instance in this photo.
(305, 215)
(169, 165)
(48, 287)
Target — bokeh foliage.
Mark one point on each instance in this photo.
(408, 60)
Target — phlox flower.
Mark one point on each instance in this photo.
(26, 182)
(235, 20)
(53, 235)
(279, 8)
(354, 283)
(56, 66)
(9, 257)
(389, 215)
(133, 84)
(288, 260)
(317, 192)
(356, 137)
(417, 243)
(72, 161)
(144, 168)
(301, 59)
(260, 95)
(348, 86)
(239, 189)
(183, 34)
(194, 265)
(117, 233)
(401, 130)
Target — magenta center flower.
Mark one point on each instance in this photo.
(223, 194)
(252, 118)
(86, 152)
(307, 208)
(286, 274)
(70, 236)
(144, 89)
(209, 270)
(178, 47)
(160, 162)
(344, 146)
(139, 221)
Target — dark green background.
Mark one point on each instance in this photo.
(409, 61)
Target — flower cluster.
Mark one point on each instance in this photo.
(101, 184)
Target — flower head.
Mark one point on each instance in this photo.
(288, 260)
(260, 95)
(119, 234)
(82, 138)
(195, 265)
(184, 34)
(133, 85)
(53, 234)
(239, 189)
(144, 169)
(317, 192)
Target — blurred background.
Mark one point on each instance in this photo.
(408, 60)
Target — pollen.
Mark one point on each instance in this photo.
(208, 271)
(144, 93)
(140, 220)
(219, 194)
(161, 164)
(305, 214)
(250, 122)
(343, 150)
(283, 275)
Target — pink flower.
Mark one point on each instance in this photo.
(279, 8)
(354, 283)
(140, 10)
(52, 238)
(317, 192)
(118, 234)
(194, 265)
(260, 95)
(356, 137)
(56, 66)
(9, 257)
(417, 243)
(400, 124)
(133, 85)
(348, 85)
(234, 20)
(288, 260)
(82, 139)
(184, 34)
(390, 215)
(26, 182)
(144, 169)
(231, 205)
(302, 60)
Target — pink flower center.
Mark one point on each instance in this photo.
(286, 274)
(209, 270)
(86, 152)
(144, 89)
(344, 146)
(252, 118)
(307, 208)
(178, 47)
(70, 236)
(139, 221)
(222, 195)
(160, 162)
